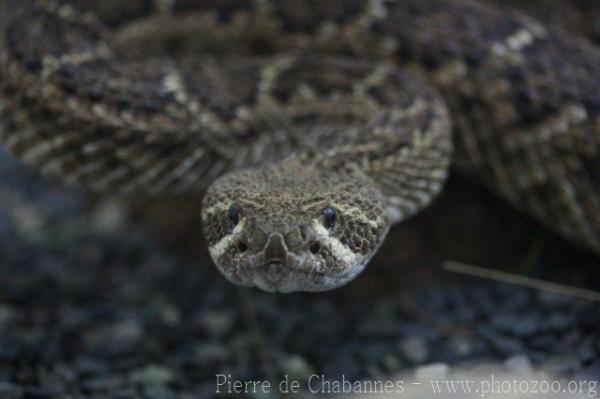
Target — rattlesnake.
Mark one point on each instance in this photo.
(312, 126)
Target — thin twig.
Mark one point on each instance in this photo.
(421, 315)
(524, 281)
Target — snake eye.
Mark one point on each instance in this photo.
(329, 217)
(234, 214)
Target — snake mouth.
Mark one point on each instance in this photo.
(274, 262)
(275, 275)
(281, 267)
(278, 276)
(273, 269)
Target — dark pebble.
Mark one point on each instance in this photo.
(95, 94)
(526, 325)
(33, 65)
(343, 363)
(504, 344)
(41, 393)
(9, 390)
(543, 341)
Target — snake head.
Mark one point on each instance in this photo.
(292, 230)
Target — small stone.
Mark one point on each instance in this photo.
(343, 363)
(129, 331)
(109, 216)
(527, 325)
(102, 383)
(372, 353)
(152, 375)
(218, 323)
(391, 362)
(88, 365)
(544, 342)
(42, 393)
(414, 349)
(27, 219)
(536, 356)
(211, 352)
(588, 317)
(118, 338)
(5, 374)
(504, 321)
(162, 312)
(33, 65)
(585, 350)
(66, 373)
(158, 392)
(508, 345)
(518, 364)
(504, 344)
(7, 314)
(434, 371)
(458, 346)
(549, 298)
(485, 304)
(379, 323)
(426, 333)
(72, 317)
(8, 390)
(466, 314)
(126, 393)
(558, 321)
(296, 367)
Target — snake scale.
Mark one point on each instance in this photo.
(310, 126)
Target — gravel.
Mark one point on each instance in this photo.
(91, 309)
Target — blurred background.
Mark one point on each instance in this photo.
(106, 297)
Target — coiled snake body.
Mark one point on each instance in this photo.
(312, 125)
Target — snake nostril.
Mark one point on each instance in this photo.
(315, 247)
(242, 246)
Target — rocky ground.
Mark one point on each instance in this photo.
(94, 307)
